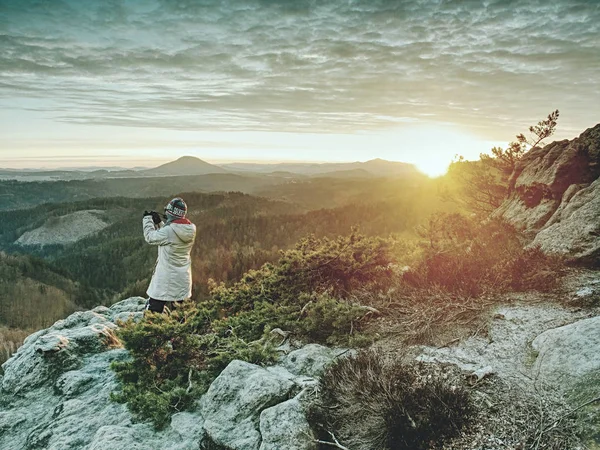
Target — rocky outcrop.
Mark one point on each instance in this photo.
(569, 354)
(55, 391)
(55, 395)
(574, 229)
(553, 197)
(232, 406)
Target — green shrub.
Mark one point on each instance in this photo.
(367, 403)
(175, 357)
(336, 266)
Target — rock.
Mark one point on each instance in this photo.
(310, 360)
(232, 405)
(285, 426)
(568, 354)
(190, 427)
(122, 438)
(574, 229)
(56, 389)
(10, 420)
(133, 304)
(125, 316)
(480, 374)
(74, 382)
(42, 359)
(555, 189)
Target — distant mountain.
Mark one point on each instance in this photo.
(186, 165)
(376, 167)
(192, 166)
(351, 173)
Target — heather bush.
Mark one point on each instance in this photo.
(468, 257)
(368, 402)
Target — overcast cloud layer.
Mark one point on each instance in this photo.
(320, 66)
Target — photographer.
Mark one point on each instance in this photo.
(172, 278)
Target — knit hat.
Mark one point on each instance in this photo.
(176, 208)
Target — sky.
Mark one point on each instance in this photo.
(141, 82)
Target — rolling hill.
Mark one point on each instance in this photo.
(374, 167)
(186, 165)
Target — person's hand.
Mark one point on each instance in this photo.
(155, 217)
(146, 213)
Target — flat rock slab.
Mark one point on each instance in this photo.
(569, 353)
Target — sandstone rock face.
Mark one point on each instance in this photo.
(554, 189)
(55, 395)
(570, 353)
(574, 229)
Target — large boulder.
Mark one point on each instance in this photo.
(568, 354)
(47, 354)
(574, 229)
(232, 405)
(55, 390)
(553, 189)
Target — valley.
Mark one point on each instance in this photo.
(88, 232)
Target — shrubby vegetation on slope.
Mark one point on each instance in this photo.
(176, 356)
(468, 257)
(323, 290)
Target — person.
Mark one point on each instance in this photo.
(171, 281)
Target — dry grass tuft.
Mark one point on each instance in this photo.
(509, 417)
(429, 316)
(369, 402)
(110, 339)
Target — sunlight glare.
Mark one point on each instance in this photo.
(433, 147)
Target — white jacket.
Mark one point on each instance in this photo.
(172, 277)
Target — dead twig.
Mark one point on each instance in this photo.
(190, 385)
(335, 442)
(568, 413)
(449, 343)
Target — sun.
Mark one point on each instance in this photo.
(431, 148)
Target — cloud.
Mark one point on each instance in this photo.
(301, 65)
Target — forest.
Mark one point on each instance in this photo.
(236, 232)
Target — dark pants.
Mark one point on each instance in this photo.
(159, 305)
